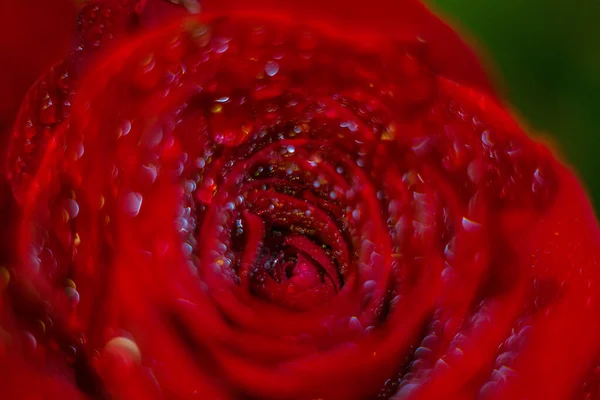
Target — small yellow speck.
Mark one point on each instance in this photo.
(70, 283)
(76, 240)
(200, 33)
(389, 133)
(147, 61)
(65, 215)
(4, 277)
(217, 108)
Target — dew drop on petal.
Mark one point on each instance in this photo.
(132, 202)
(72, 208)
(72, 295)
(470, 225)
(271, 68)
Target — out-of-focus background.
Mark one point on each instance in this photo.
(546, 57)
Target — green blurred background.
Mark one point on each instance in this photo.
(546, 58)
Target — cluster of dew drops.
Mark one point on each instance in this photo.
(269, 86)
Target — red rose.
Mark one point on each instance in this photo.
(265, 200)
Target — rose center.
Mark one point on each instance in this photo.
(294, 271)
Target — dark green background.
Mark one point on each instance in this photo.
(546, 58)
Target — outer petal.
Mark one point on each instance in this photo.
(407, 20)
(33, 35)
(563, 246)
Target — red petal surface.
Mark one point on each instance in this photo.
(24, 54)
(288, 201)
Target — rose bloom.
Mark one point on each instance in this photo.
(279, 200)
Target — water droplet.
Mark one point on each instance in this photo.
(430, 341)
(75, 150)
(187, 249)
(181, 224)
(487, 139)
(124, 129)
(200, 162)
(421, 146)
(146, 74)
(470, 225)
(47, 113)
(506, 358)
(369, 285)
(449, 250)
(72, 208)
(488, 390)
(351, 125)
(271, 68)
(407, 391)
(423, 352)
(476, 171)
(189, 186)
(355, 325)
(29, 342)
(148, 173)
(125, 349)
(448, 275)
(72, 295)
(152, 136)
(200, 33)
(220, 47)
(192, 6)
(540, 184)
(132, 202)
